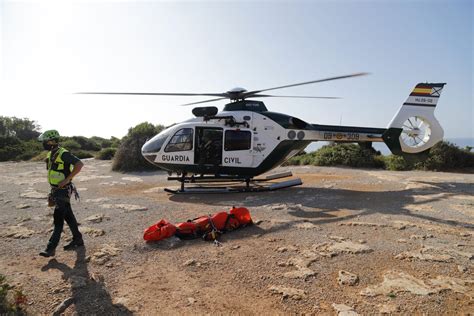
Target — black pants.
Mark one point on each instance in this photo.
(63, 212)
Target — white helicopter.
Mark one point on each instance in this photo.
(246, 140)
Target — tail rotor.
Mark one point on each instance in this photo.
(415, 129)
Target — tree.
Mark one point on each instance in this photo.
(23, 129)
(129, 156)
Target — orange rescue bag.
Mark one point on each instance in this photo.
(161, 230)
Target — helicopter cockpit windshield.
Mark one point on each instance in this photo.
(154, 145)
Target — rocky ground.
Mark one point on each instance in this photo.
(346, 242)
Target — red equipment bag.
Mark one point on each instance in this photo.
(161, 230)
(242, 215)
(193, 228)
(186, 230)
(207, 227)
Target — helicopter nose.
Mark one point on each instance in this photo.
(149, 150)
(149, 158)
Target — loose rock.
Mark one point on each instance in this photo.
(389, 309)
(347, 278)
(457, 285)
(288, 292)
(22, 206)
(301, 273)
(125, 207)
(190, 262)
(425, 254)
(33, 195)
(344, 310)
(104, 254)
(346, 247)
(94, 232)
(17, 231)
(97, 218)
(395, 281)
(306, 225)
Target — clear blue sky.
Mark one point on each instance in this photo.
(51, 48)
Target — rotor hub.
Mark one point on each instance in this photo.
(236, 93)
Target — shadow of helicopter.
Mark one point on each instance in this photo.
(321, 205)
(89, 296)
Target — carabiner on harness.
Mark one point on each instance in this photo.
(71, 189)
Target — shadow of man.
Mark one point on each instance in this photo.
(89, 295)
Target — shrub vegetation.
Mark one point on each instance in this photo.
(351, 155)
(443, 156)
(12, 302)
(18, 141)
(447, 156)
(106, 154)
(129, 156)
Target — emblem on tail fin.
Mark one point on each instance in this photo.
(414, 129)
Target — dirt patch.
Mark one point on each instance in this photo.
(346, 241)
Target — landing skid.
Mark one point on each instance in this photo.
(251, 185)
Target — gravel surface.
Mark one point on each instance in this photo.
(346, 242)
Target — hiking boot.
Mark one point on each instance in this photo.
(49, 252)
(74, 244)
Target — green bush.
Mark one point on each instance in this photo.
(106, 154)
(103, 142)
(23, 129)
(447, 156)
(82, 154)
(397, 163)
(128, 156)
(115, 142)
(12, 148)
(31, 148)
(18, 297)
(70, 144)
(86, 143)
(442, 157)
(4, 305)
(351, 155)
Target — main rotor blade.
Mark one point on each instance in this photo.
(165, 94)
(251, 93)
(291, 96)
(205, 101)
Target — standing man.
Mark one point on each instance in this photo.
(62, 167)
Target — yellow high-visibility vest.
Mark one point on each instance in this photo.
(56, 167)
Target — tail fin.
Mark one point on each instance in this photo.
(414, 129)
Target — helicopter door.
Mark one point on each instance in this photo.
(208, 146)
(238, 148)
(179, 149)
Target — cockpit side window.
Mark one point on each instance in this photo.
(182, 140)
